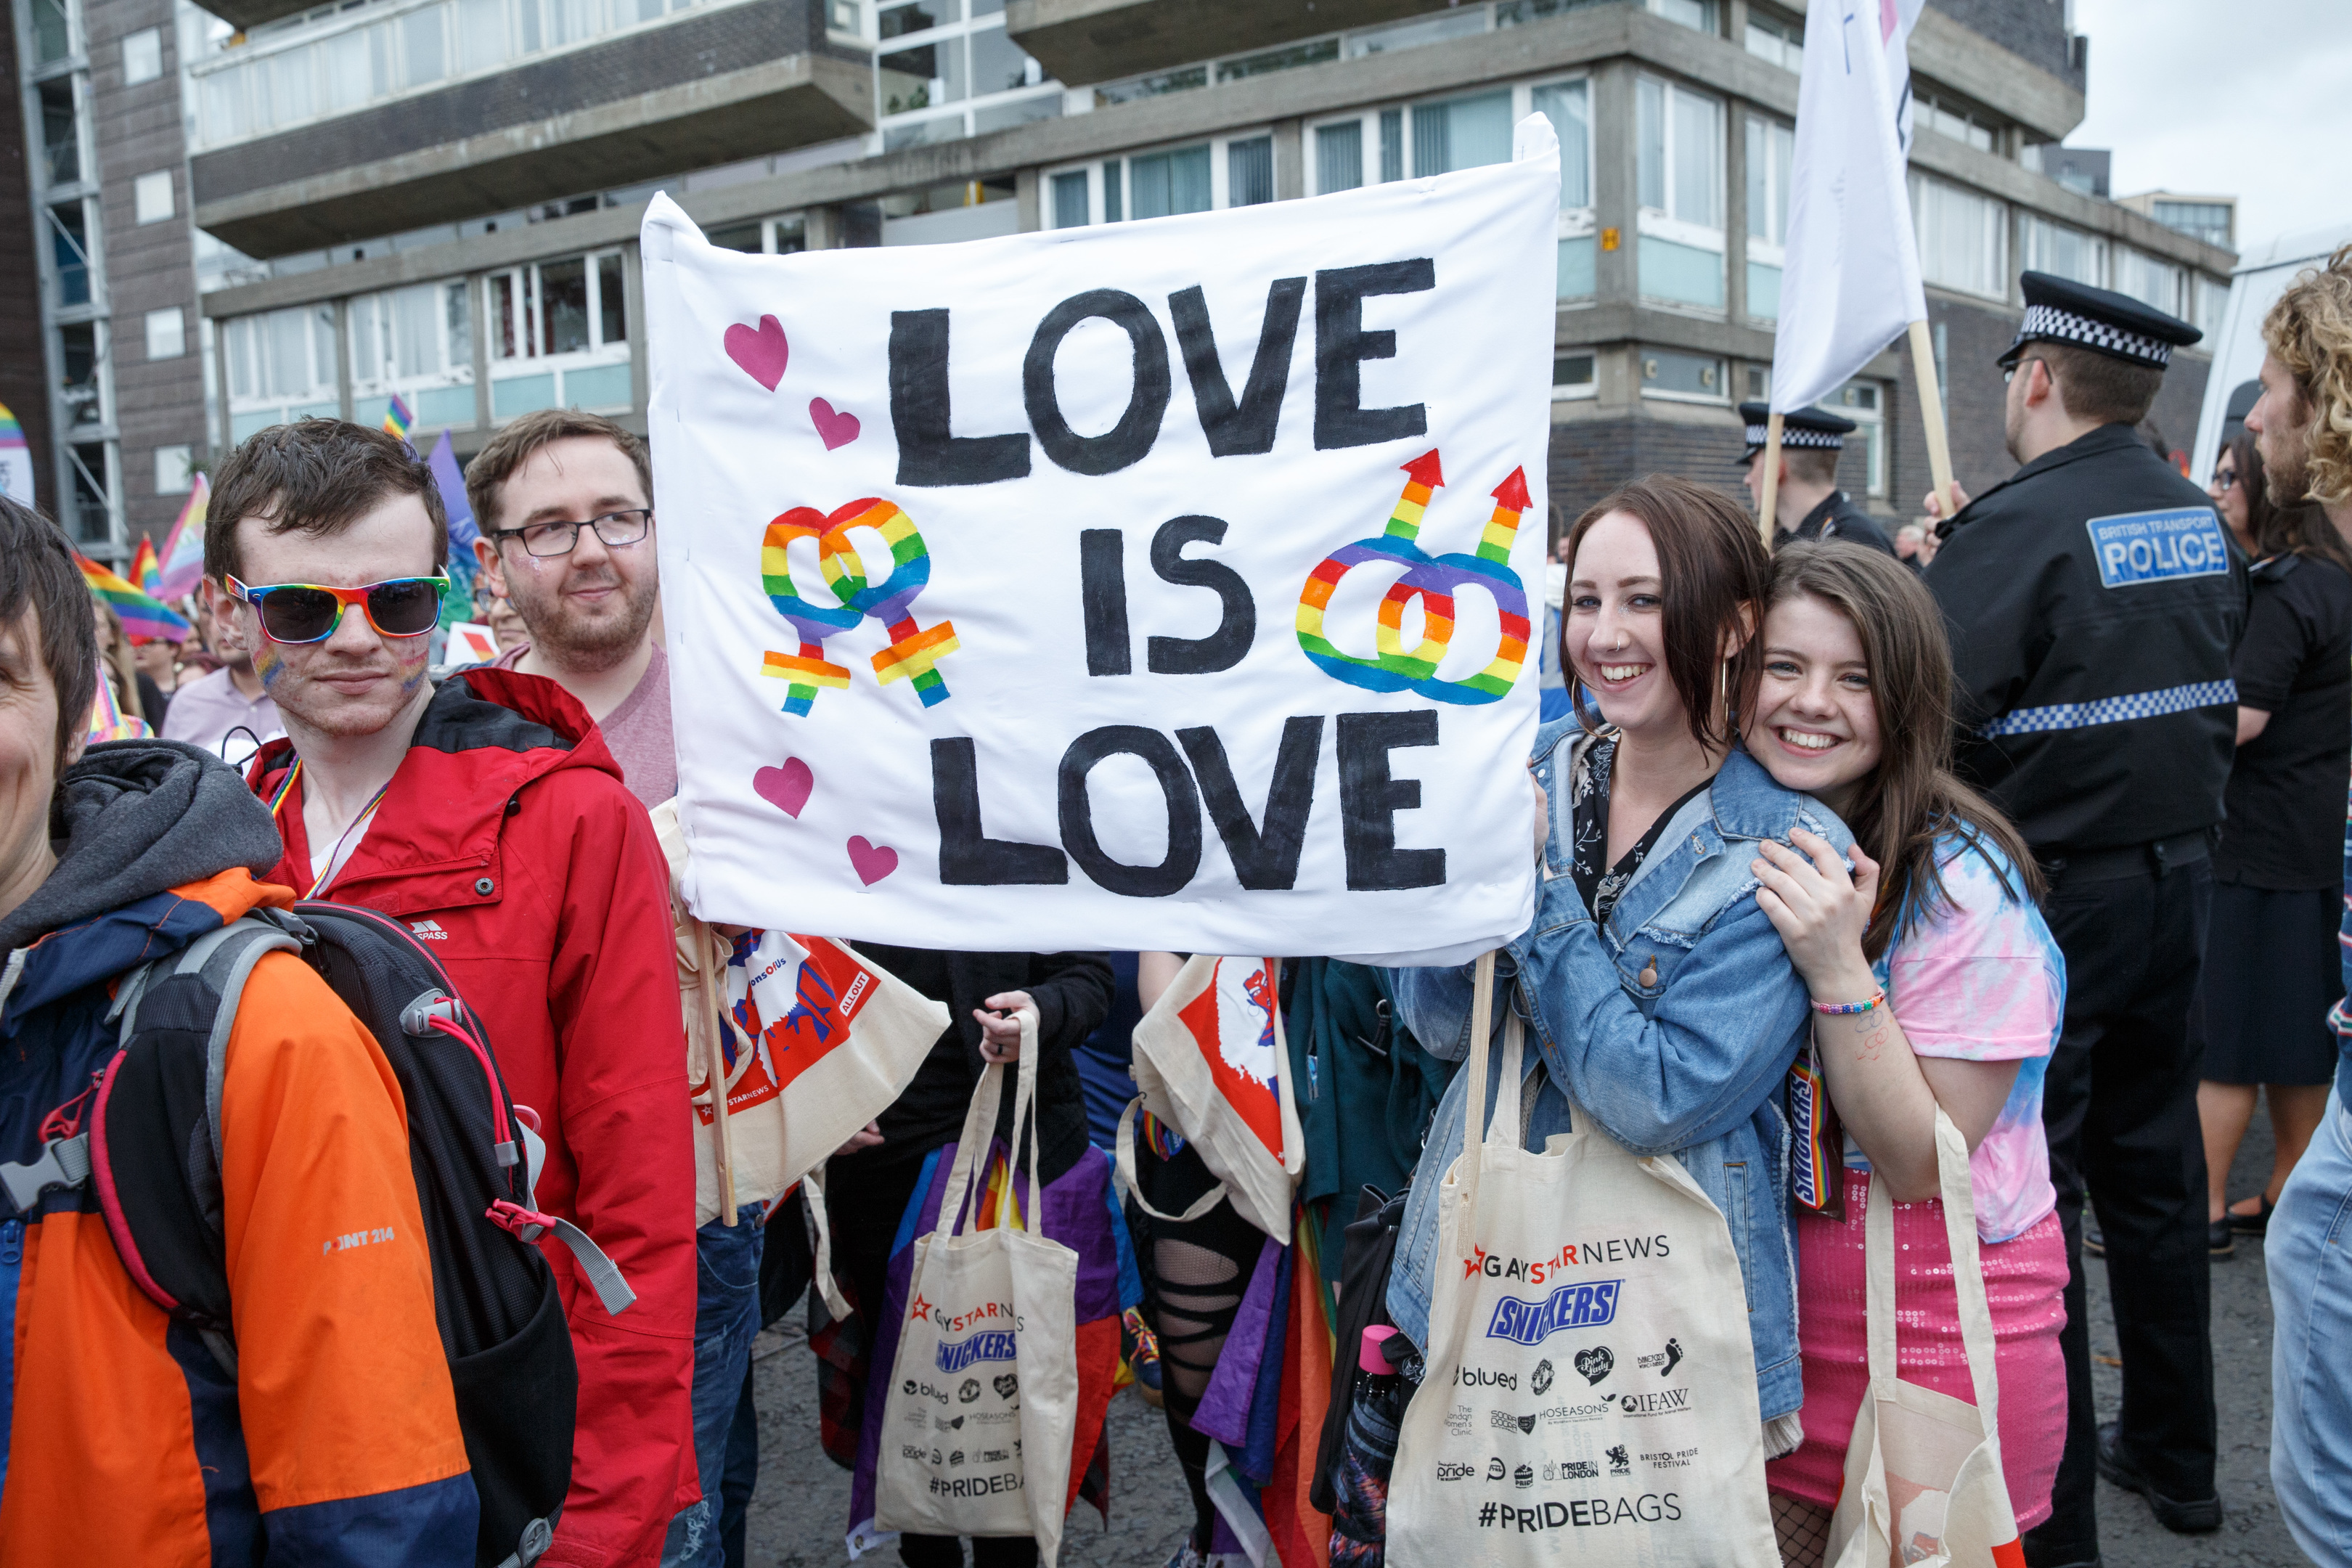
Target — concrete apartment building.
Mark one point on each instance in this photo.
(439, 199)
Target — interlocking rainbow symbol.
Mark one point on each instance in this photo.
(1434, 581)
(913, 654)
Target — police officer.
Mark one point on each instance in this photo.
(1811, 440)
(2095, 600)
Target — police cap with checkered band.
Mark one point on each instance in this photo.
(1815, 427)
(2060, 310)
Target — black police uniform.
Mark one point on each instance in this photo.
(1814, 430)
(2094, 601)
(1838, 518)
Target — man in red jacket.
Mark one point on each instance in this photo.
(488, 815)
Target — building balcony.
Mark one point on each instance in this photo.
(436, 110)
(1084, 41)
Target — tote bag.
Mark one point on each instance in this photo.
(1590, 1388)
(810, 1040)
(1211, 1062)
(984, 1394)
(1923, 1478)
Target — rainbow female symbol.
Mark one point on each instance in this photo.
(913, 654)
(1434, 581)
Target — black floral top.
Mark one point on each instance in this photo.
(1588, 816)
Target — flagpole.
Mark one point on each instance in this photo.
(1931, 409)
(1771, 477)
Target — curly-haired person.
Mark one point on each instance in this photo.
(2303, 426)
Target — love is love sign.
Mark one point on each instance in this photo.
(1159, 585)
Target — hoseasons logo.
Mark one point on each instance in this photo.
(1571, 1255)
(1587, 1306)
(994, 1345)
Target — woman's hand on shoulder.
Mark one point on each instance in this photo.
(1819, 911)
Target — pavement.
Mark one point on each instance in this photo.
(800, 1513)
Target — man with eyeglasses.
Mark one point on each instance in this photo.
(486, 815)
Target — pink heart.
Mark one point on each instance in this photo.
(838, 429)
(785, 788)
(760, 350)
(872, 862)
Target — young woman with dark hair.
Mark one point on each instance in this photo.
(2271, 962)
(1937, 935)
(1660, 998)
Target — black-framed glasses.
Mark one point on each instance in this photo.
(614, 529)
(2224, 477)
(309, 612)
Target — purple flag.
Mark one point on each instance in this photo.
(451, 482)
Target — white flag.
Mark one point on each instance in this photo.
(1850, 284)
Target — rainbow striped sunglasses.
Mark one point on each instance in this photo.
(309, 612)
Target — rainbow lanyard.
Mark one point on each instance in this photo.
(287, 787)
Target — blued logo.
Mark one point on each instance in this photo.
(2136, 547)
(1587, 1306)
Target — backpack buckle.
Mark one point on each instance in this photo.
(64, 1163)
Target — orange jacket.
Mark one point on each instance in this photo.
(337, 1440)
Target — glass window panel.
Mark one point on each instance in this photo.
(1249, 172)
(792, 235)
(322, 348)
(1963, 238)
(522, 395)
(1167, 183)
(287, 368)
(52, 37)
(379, 47)
(998, 65)
(987, 8)
(1684, 274)
(1569, 371)
(457, 321)
(71, 255)
(1113, 208)
(563, 296)
(482, 34)
(60, 133)
(908, 77)
(1698, 14)
(225, 105)
(612, 301)
(1763, 291)
(1462, 133)
(1021, 111)
(1698, 159)
(367, 346)
(503, 344)
(343, 70)
(1568, 105)
(291, 84)
(1070, 201)
(1281, 59)
(570, 21)
(743, 236)
(416, 332)
(1339, 156)
(237, 336)
(422, 58)
(441, 405)
(1675, 374)
(1650, 142)
(901, 20)
(1391, 144)
(1576, 267)
(604, 386)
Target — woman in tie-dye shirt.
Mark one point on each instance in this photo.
(1937, 921)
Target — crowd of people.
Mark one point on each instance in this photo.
(1990, 826)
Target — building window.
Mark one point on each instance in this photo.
(1568, 106)
(417, 343)
(150, 196)
(559, 336)
(1071, 207)
(1782, 43)
(142, 61)
(763, 236)
(1947, 118)
(1574, 375)
(60, 129)
(281, 366)
(81, 385)
(167, 333)
(1963, 238)
(2213, 304)
(2065, 252)
(174, 477)
(1682, 378)
(1339, 156)
(2207, 221)
(2151, 281)
(69, 252)
(1678, 162)
(951, 71)
(1864, 403)
(1698, 14)
(1249, 172)
(1227, 172)
(1770, 147)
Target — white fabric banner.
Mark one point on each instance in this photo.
(1850, 283)
(1159, 585)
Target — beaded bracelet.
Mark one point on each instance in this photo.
(1841, 1008)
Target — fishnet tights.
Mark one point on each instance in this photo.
(1803, 1529)
(1198, 1293)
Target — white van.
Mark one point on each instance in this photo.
(2261, 275)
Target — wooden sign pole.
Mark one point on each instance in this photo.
(1772, 494)
(1931, 410)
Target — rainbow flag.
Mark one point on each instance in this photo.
(144, 569)
(16, 459)
(142, 617)
(108, 722)
(183, 557)
(397, 418)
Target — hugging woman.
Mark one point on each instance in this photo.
(1661, 1000)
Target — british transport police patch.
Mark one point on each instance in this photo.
(2138, 547)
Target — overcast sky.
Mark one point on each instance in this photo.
(2251, 99)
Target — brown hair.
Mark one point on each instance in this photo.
(511, 448)
(1812, 465)
(122, 669)
(2097, 387)
(2309, 332)
(2296, 527)
(1913, 797)
(1713, 569)
(316, 476)
(37, 572)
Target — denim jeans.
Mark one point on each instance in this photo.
(2311, 1343)
(725, 1319)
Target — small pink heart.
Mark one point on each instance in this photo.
(838, 429)
(760, 350)
(785, 788)
(872, 862)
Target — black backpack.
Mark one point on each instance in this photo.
(153, 1139)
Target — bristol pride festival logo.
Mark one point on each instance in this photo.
(1586, 1306)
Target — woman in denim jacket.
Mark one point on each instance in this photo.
(1657, 993)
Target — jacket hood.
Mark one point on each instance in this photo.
(157, 841)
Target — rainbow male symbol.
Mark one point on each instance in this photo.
(1433, 582)
(913, 654)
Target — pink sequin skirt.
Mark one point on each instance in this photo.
(2025, 1285)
